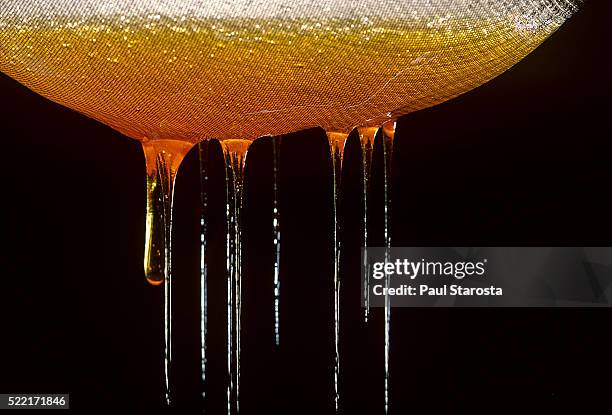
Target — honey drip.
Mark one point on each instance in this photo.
(162, 158)
(234, 152)
(366, 139)
(336, 145)
(276, 230)
(388, 134)
(203, 152)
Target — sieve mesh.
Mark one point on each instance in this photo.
(192, 70)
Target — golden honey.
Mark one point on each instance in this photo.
(193, 79)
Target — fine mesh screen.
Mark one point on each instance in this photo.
(193, 69)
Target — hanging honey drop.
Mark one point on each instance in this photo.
(337, 141)
(235, 152)
(388, 134)
(366, 139)
(162, 159)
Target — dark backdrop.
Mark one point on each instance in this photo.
(522, 160)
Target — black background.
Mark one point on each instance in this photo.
(522, 160)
